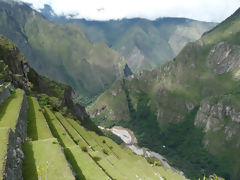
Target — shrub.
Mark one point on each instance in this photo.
(150, 160)
(157, 163)
(96, 158)
(105, 151)
(84, 149)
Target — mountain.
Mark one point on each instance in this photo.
(188, 109)
(145, 44)
(43, 136)
(61, 52)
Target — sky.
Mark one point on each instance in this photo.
(204, 10)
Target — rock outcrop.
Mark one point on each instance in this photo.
(4, 94)
(223, 58)
(127, 71)
(219, 117)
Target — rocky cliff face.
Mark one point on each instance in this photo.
(223, 58)
(16, 63)
(127, 71)
(220, 115)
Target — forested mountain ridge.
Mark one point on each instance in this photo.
(61, 52)
(145, 44)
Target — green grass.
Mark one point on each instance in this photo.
(37, 125)
(10, 109)
(100, 141)
(88, 167)
(116, 163)
(105, 159)
(57, 129)
(110, 169)
(71, 131)
(83, 133)
(124, 166)
(101, 159)
(82, 163)
(4, 137)
(47, 156)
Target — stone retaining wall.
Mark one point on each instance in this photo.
(4, 95)
(15, 155)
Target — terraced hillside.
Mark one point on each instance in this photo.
(85, 154)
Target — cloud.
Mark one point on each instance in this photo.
(205, 10)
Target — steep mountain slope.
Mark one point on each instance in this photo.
(42, 138)
(144, 43)
(188, 109)
(61, 52)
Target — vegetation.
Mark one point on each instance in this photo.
(4, 137)
(37, 125)
(68, 55)
(10, 109)
(55, 138)
(180, 108)
(57, 129)
(145, 44)
(156, 95)
(45, 159)
(112, 136)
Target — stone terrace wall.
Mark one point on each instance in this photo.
(4, 95)
(14, 159)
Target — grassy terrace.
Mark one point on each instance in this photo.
(91, 156)
(71, 131)
(4, 135)
(84, 166)
(83, 133)
(57, 129)
(164, 172)
(10, 109)
(9, 112)
(45, 160)
(112, 165)
(110, 162)
(88, 169)
(109, 167)
(37, 125)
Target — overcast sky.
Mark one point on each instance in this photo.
(206, 10)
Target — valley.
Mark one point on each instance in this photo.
(143, 43)
(51, 137)
(190, 105)
(130, 141)
(133, 98)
